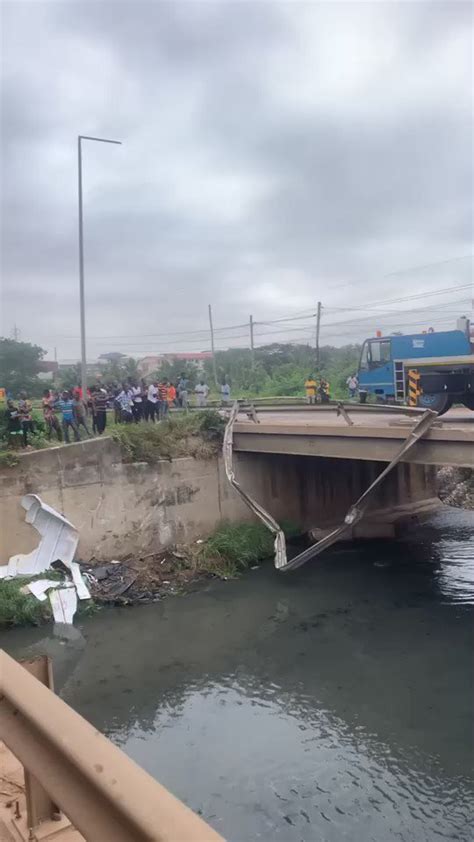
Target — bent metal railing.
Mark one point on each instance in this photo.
(105, 795)
(356, 511)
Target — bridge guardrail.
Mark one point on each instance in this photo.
(106, 796)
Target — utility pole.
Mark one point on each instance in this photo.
(318, 329)
(252, 350)
(212, 345)
(80, 138)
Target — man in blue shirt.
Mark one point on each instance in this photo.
(66, 405)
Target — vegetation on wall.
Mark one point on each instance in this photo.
(198, 434)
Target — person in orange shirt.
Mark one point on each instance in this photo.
(171, 395)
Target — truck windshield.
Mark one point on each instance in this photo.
(380, 352)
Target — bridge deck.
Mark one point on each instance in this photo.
(319, 431)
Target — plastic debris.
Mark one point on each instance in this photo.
(59, 540)
(56, 550)
(39, 587)
(63, 603)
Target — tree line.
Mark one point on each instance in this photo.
(275, 369)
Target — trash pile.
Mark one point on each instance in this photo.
(138, 580)
(55, 552)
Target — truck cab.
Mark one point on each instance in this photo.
(444, 362)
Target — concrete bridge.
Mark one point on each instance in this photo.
(364, 434)
(343, 471)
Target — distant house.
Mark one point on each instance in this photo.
(47, 370)
(111, 357)
(153, 362)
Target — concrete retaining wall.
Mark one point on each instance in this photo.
(118, 508)
(122, 508)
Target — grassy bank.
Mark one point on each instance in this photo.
(197, 434)
(226, 554)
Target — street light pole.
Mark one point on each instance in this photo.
(80, 138)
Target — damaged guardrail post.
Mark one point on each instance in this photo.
(257, 509)
(106, 796)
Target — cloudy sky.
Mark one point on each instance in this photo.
(274, 155)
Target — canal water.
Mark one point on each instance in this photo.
(334, 703)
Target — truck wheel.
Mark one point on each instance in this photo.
(438, 403)
(468, 401)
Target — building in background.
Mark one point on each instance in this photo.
(153, 362)
(48, 370)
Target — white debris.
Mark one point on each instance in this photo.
(39, 587)
(59, 540)
(81, 587)
(63, 603)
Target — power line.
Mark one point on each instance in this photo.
(409, 269)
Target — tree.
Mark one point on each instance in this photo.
(70, 377)
(19, 367)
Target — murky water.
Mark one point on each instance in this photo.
(334, 703)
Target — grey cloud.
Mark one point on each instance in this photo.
(228, 179)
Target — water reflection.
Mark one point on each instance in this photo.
(334, 703)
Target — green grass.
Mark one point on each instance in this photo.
(18, 609)
(197, 434)
(233, 548)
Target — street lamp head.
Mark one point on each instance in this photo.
(98, 139)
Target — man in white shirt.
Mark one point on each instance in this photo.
(201, 391)
(152, 401)
(225, 392)
(137, 407)
(352, 384)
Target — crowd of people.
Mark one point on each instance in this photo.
(69, 412)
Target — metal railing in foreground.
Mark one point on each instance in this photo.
(106, 796)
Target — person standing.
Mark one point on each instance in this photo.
(13, 424)
(152, 400)
(171, 395)
(137, 406)
(80, 413)
(163, 399)
(50, 417)
(26, 417)
(201, 391)
(310, 389)
(323, 391)
(99, 409)
(225, 391)
(352, 383)
(125, 401)
(183, 385)
(66, 405)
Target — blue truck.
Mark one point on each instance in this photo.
(430, 369)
